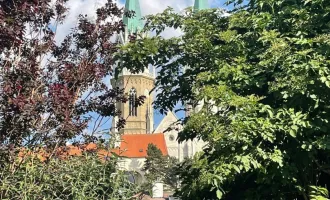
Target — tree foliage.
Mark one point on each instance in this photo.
(262, 74)
(158, 167)
(171, 178)
(48, 88)
(154, 164)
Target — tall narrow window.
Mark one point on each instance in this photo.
(132, 102)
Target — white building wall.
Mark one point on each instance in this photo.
(184, 149)
(133, 165)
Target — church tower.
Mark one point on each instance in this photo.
(139, 119)
(201, 5)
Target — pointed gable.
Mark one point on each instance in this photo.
(167, 121)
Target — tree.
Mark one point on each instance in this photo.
(158, 167)
(154, 164)
(48, 89)
(171, 178)
(263, 75)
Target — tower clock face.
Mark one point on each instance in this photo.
(171, 137)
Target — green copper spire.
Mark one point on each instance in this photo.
(201, 4)
(133, 24)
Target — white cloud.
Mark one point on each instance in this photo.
(156, 6)
(89, 7)
(153, 7)
(77, 7)
(147, 7)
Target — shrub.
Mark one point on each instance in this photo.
(79, 177)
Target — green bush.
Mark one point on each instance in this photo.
(84, 177)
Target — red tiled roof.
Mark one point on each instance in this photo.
(65, 152)
(136, 145)
(132, 146)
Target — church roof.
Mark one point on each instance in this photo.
(136, 145)
(133, 24)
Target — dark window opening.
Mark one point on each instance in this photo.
(132, 102)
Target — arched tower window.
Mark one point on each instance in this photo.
(132, 102)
